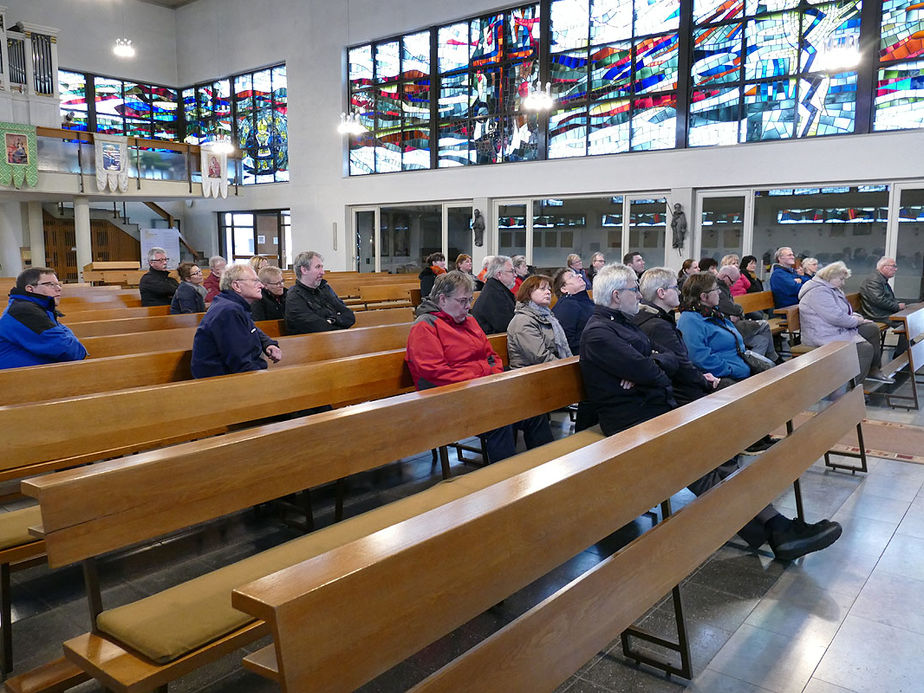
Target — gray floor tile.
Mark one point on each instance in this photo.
(893, 600)
(819, 686)
(795, 607)
(870, 657)
(912, 524)
(772, 661)
(711, 681)
(873, 507)
(904, 556)
(862, 535)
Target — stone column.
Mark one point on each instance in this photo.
(10, 239)
(82, 234)
(37, 234)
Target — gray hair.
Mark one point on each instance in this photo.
(654, 279)
(303, 259)
(496, 265)
(214, 260)
(730, 271)
(448, 283)
(809, 261)
(155, 251)
(518, 260)
(833, 271)
(233, 273)
(269, 272)
(611, 278)
(572, 258)
(779, 251)
(883, 261)
(596, 255)
(486, 261)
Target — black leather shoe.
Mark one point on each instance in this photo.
(800, 538)
(763, 444)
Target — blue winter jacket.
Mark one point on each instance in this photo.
(711, 344)
(227, 340)
(785, 283)
(30, 333)
(573, 311)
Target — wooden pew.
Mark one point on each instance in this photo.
(59, 380)
(387, 295)
(911, 321)
(99, 328)
(116, 312)
(255, 472)
(761, 301)
(334, 628)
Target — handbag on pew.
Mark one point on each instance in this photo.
(758, 363)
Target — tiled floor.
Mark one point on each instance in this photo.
(850, 618)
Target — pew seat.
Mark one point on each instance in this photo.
(16, 545)
(761, 301)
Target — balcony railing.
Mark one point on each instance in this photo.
(73, 151)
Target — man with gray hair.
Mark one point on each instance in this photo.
(756, 333)
(877, 300)
(494, 308)
(217, 265)
(626, 380)
(312, 305)
(785, 282)
(157, 286)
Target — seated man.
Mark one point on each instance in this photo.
(446, 345)
(628, 382)
(311, 305)
(635, 261)
(756, 333)
(785, 282)
(494, 308)
(227, 341)
(878, 302)
(216, 266)
(157, 286)
(272, 304)
(30, 333)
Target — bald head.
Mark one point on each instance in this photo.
(729, 274)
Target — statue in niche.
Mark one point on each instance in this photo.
(478, 228)
(678, 225)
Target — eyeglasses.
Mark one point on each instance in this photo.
(714, 289)
(462, 301)
(160, 259)
(633, 289)
(55, 285)
(256, 281)
(279, 283)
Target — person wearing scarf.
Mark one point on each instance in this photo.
(534, 335)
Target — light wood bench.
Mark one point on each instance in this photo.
(335, 628)
(114, 313)
(758, 302)
(387, 295)
(59, 380)
(99, 328)
(90, 511)
(911, 321)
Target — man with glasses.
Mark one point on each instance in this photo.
(446, 345)
(272, 304)
(877, 300)
(157, 286)
(495, 305)
(312, 305)
(227, 341)
(30, 333)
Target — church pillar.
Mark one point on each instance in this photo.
(37, 234)
(10, 239)
(82, 234)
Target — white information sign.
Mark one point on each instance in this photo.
(168, 239)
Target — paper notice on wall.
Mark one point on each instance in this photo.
(168, 239)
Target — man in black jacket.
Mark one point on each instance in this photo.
(312, 305)
(495, 305)
(156, 286)
(877, 300)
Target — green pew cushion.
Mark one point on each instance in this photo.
(14, 526)
(172, 623)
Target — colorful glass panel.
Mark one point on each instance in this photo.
(656, 16)
(387, 109)
(611, 70)
(569, 76)
(415, 101)
(517, 81)
(360, 66)
(204, 94)
(387, 64)
(453, 47)
(163, 103)
(262, 89)
(568, 133)
(899, 102)
(608, 127)
(110, 125)
(487, 39)
(570, 24)
(454, 96)
(108, 98)
(902, 30)
(415, 153)
(136, 101)
(769, 111)
(709, 11)
(243, 93)
(72, 87)
(714, 117)
(827, 104)
(522, 39)
(362, 155)
(415, 55)
(656, 64)
(654, 122)
(717, 54)
(830, 36)
(772, 46)
(610, 20)
(453, 144)
(753, 7)
(388, 153)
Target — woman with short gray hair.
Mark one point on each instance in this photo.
(826, 316)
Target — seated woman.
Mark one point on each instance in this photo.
(825, 316)
(272, 303)
(742, 284)
(520, 271)
(258, 262)
(748, 268)
(436, 265)
(809, 266)
(574, 306)
(576, 264)
(188, 298)
(535, 335)
(714, 345)
(689, 266)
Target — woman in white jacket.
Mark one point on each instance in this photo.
(825, 316)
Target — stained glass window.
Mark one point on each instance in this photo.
(900, 96)
(73, 95)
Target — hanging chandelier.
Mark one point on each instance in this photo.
(350, 124)
(123, 48)
(539, 99)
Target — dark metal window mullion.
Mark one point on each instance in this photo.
(685, 45)
(89, 91)
(435, 85)
(867, 72)
(545, 75)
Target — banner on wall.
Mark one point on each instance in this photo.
(214, 168)
(111, 162)
(19, 164)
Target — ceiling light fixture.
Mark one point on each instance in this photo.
(539, 99)
(350, 125)
(123, 48)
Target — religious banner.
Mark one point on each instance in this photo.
(214, 168)
(20, 162)
(111, 162)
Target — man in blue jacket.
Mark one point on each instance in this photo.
(785, 282)
(227, 340)
(30, 333)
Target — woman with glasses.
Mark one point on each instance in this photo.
(272, 305)
(714, 345)
(188, 298)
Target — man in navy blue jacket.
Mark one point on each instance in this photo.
(30, 333)
(227, 340)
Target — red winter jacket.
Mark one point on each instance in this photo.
(441, 351)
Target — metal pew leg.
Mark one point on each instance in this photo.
(682, 646)
(853, 469)
(6, 619)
